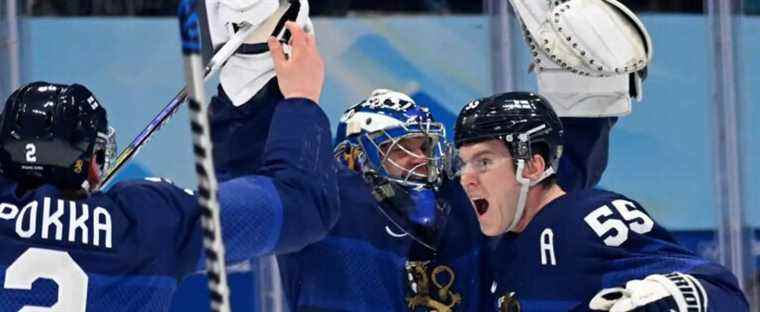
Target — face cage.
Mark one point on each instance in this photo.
(373, 158)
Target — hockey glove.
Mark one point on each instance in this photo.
(671, 292)
(251, 67)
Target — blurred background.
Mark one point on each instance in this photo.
(330, 7)
(686, 153)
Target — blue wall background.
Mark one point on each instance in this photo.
(661, 154)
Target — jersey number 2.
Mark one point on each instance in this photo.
(638, 222)
(36, 263)
(31, 151)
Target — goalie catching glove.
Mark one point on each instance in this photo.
(590, 56)
(672, 292)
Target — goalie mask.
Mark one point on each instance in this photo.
(524, 122)
(373, 135)
(398, 148)
(51, 132)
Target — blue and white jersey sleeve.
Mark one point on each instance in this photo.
(597, 241)
(282, 149)
(166, 219)
(634, 247)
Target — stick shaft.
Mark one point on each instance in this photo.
(204, 165)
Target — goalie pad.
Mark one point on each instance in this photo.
(590, 56)
(251, 67)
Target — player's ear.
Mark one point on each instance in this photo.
(534, 168)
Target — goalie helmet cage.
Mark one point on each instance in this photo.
(9, 48)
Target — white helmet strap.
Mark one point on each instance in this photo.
(525, 185)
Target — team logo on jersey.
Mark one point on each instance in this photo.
(508, 303)
(431, 290)
(78, 166)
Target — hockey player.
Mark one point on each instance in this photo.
(398, 245)
(587, 250)
(562, 245)
(403, 241)
(67, 246)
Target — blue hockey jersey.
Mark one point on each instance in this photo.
(365, 265)
(127, 248)
(589, 240)
(362, 263)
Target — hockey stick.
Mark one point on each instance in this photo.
(216, 63)
(207, 185)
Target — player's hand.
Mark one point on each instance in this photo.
(300, 74)
(672, 292)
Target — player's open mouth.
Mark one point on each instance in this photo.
(481, 205)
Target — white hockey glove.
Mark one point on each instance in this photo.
(672, 292)
(251, 67)
(590, 56)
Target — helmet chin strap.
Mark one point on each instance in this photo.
(525, 185)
